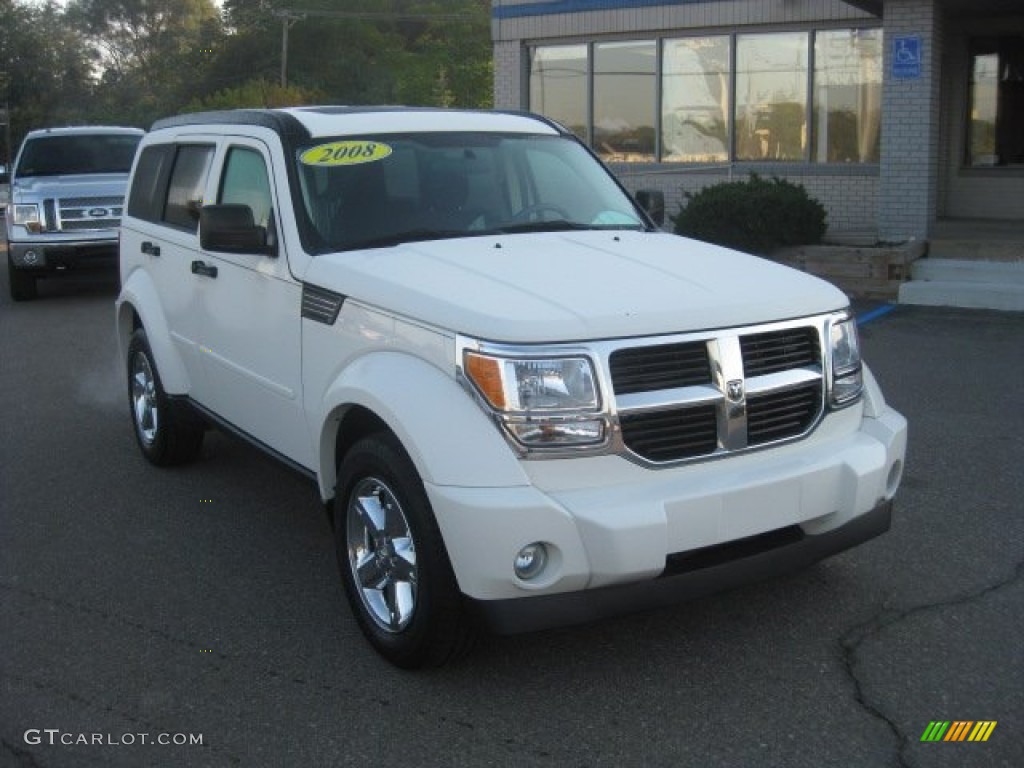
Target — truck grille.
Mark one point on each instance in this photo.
(83, 214)
(718, 393)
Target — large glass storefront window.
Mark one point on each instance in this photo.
(996, 116)
(558, 85)
(847, 95)
(695, 100)
(625, 95)
(771, 96)
(734, 97)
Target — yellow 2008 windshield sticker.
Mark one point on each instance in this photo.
(345, 153)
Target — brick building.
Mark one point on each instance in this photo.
(895, 114)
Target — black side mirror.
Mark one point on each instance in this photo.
(229, 228)
(652, 201)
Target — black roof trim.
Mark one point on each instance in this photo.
(282, 123)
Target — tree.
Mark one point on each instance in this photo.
(46, 70)
(152, 52)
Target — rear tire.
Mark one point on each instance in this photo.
(22, 283)
(167, 433)
(394, 566)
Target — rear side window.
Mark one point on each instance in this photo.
(149, 184)
(187, 184)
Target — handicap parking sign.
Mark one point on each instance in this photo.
(906, 57)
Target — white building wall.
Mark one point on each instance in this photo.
(509, 66)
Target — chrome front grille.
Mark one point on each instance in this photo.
(84, 214)
(703, 395)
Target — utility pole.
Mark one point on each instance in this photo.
(288, 18)
(5, 115)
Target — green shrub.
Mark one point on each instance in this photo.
(756, 216)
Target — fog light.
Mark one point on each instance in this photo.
(30, 257)
(531, 561)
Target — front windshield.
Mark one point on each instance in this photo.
(77, 154)
(379, 191)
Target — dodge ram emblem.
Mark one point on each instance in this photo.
(734, 390)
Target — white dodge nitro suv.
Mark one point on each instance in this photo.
(66, 195)
(524, 404)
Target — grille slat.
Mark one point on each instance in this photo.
(666, 366)
(778, 415)
(675, 434)
(783, 350)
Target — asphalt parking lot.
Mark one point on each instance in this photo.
(205, 600)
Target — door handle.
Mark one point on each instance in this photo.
(148, 247)
(202, 268)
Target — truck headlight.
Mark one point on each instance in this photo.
(28, 216)
(847, 379)
(543, 402)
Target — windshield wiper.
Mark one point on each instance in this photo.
(554, 225)
(559, 225)
(410, 236)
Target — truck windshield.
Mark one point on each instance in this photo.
(380, 191)
(77, 154)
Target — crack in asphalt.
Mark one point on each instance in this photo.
(851, 641)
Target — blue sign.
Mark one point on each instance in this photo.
(906, 57)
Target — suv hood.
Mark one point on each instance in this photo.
(574, 286)
(32, 189)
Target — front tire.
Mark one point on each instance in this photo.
(167, 433)
(394, 566)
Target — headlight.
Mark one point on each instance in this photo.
(28, 216)
(847, 380)
(543, 402)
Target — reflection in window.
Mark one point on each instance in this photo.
(700, 120)
(847, 95)
(245, 181)
(771, 96)
(996, 127)
(624, 100)
(695, 100)
(188, 181)
(558, 85)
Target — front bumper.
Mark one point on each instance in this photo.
(48, 256)
(616, 532)
(706, 572)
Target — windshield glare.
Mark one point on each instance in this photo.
(379, 191)
(84, 153)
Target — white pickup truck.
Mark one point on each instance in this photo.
(524, 403)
